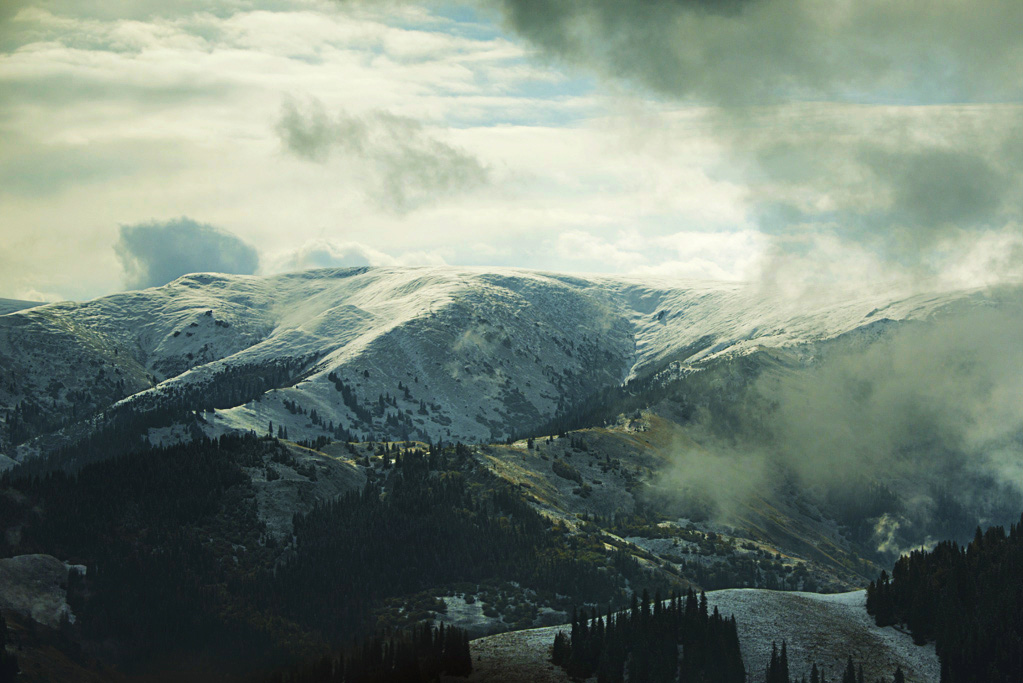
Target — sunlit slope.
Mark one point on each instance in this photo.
(766, 536)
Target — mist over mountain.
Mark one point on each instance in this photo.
(685, 434)
(350, 341)
(920, 390)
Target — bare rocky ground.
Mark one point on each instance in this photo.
(35, 586)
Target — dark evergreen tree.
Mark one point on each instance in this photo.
(778, 667)
(645, 643)
(560, 649)
(8, 661)
(968, 600)
(850, 672)
(181, 567)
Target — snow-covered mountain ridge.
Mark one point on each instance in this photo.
(429, 352)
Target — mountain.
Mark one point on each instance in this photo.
(12, 305)
(498, 446)
(387, 353)
(689, 403)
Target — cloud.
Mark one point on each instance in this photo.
(918, 186)
(408, 166)
(704, 255)
(707, 477)
(759, 51)
(925, 405)
(597, 253)
(936, 187)
(932, 408)
(328, 253)
(884, 123)
(116, 113)
(153, 254)
(717, 255)
(324, 253)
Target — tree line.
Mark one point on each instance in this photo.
(641, 645)
(967, 599)
(184, 576)
(414, 655)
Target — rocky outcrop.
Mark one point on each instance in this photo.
(35, 586)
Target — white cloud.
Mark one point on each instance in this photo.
(687, 254)
(590, 250)
(709, 255)
(325, 253)
(107, 120)
(156, 252)
(328, 253)
(112, 113)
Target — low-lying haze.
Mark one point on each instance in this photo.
(931, 409)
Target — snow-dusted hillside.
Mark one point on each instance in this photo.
(428, 353)
(825, 629)
(12, 305)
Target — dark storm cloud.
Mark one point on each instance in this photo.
(407, 166)
(897, 187)
(898, 180)
(936, 188)
(735, 51)
(153, 254)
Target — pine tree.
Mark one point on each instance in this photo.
(772, 666)
(850, 672)
(8, 662)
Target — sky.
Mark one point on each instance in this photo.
(796, 143)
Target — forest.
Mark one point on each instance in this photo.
(641, 645)
(967, 599)
(184, 576)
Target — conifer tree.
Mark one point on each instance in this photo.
(8, 662)
(559, 651)
(850, 672)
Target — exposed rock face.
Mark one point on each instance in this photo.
(36, 587)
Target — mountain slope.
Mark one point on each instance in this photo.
(12, 305)
(825, 629)
(427, 353)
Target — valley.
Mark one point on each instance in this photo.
(321, 455)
